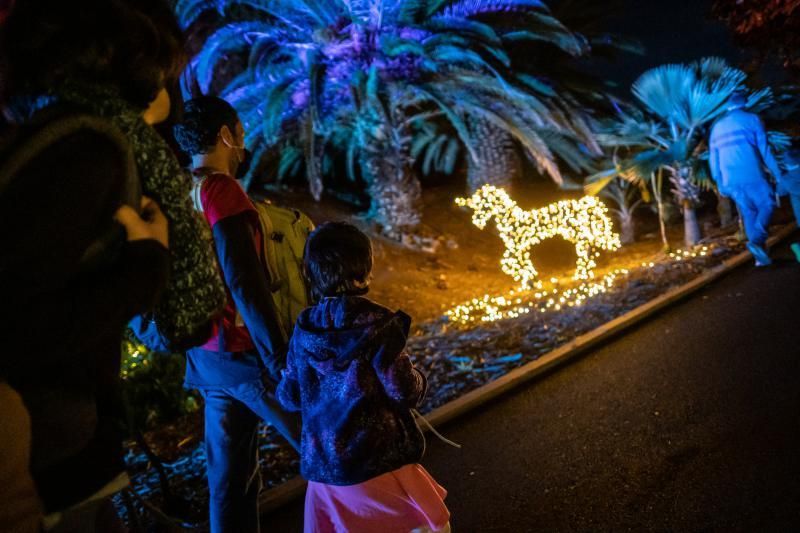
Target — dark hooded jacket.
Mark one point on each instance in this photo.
(350, 377)
(61, 324)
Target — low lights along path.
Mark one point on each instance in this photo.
(584, 223)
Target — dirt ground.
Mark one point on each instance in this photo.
(425, 285)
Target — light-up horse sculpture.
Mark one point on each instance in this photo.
(584, 223)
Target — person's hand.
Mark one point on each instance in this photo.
(151, 224)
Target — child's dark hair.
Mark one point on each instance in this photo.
(203, 117)
(337, 261)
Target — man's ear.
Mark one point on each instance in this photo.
(227, 136)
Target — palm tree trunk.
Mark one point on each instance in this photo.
(497, 161)
(724, 210)
(627, 228)
(691, 226)
(687, 194)
(656, 181)
(394, 192)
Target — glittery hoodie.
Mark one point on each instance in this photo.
(350, 377)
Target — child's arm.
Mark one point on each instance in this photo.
(288, 392)
(402, 381)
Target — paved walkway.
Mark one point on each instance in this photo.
(691, 422)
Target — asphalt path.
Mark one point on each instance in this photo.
(689, 422)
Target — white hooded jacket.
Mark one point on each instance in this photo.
(739, 151)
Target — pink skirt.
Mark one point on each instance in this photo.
(399, 501)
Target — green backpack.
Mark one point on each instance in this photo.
(285, 232)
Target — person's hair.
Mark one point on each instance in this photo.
(337, 261)
(136, 45)
(203, 117)
(738, 98)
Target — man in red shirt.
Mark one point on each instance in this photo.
(238, 368)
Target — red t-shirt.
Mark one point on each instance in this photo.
(221, 196)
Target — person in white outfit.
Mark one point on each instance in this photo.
(739, 152)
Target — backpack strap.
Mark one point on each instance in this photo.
(269, 239)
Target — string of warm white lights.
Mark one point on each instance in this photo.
(522, 302)
(584, 222)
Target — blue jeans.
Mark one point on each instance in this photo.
(756, 204)
(231, 441)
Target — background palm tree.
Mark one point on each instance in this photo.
(627, 194)
(680, 103)
(325, 77)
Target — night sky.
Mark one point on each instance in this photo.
(671, 31)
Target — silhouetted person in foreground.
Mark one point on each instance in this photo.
(83, 250)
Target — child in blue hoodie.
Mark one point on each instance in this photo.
(349, 376)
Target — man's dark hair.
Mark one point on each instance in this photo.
(738, 98)
(203, 117)
(136, 45)
(338, 260)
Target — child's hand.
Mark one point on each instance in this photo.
(151, 224)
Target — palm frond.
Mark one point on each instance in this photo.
(188, 11)
(545, 28)
(228, 39)
(688, 96)
(474, 8)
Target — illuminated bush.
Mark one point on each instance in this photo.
(152, 386)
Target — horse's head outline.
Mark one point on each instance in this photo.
(487, 202)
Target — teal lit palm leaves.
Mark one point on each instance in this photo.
(668, 134)
(371, 79)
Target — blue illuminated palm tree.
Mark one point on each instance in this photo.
(361, 76)
(681, 102)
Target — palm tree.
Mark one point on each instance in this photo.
(626, 193)
(635, 155)
(681, 102)
(361, 76)
(574, 30)
(498, 161)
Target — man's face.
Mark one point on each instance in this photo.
(237, 149)
(239, 133)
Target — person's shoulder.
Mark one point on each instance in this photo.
(368, 313)
(222, 196)
(369, 307)
(745, 116)
(219, 183)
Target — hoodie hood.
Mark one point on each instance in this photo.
(339, 330)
